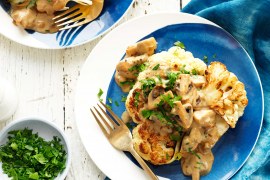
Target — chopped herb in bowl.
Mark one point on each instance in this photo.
(26, 155)
(34, 148)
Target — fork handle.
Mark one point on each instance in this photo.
(143, 164)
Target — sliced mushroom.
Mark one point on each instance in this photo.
(155, 96)
(200, 102)
(185, 113)
(205, 117)
(146, 46)
(186, 89)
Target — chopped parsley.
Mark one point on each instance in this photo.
(175, 137)
(123, 98)
(194, 72)
(205, 59)
(128, 82)
(167, 156)
(136, 97)
(156, 67)
(180, 44)
(26, 155)
(183, 70)
(172, 77)
(138, 67)
(100, 93)
(214, 56)
(116, 103)
(110, 100)
(148, 85)
(168, 99)
(194, 153)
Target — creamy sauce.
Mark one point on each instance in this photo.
(38, 16)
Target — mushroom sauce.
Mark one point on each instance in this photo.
(177, 99)
(36, 14)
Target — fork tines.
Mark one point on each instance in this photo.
(72, 16)
(101, 116)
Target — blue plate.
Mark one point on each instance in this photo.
(235, 146)
(112, 12)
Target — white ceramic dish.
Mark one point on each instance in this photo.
(112, 12)
(201, 37)
(46, 130)
(86, 96)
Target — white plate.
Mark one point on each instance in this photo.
(112, 12)
(97, 73)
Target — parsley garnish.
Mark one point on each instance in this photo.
(138, 67)
(180, 44)
(116, 103)
(156, 67)
(175, 137)
(194, 153)
(28, 156)
(148, 85)
(100, 92)
(183, 71)
(172, 78)
(168, 99)
(167, 156)
(205, 59)
(128, 82)
(123, 98)
(147, 113)
(194, 72)
(136, 97)
(110, 100)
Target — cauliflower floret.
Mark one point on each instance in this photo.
(188, 59)
(152, 142)
(225, 93)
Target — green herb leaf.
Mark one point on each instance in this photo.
(110, 100)
(156, 67)
(180, 44)
(116, 103)
(123, 98)
(100, 93)
(138, 67)
(148, 85)
(205, 59)
(175, 137)
(147, 113)
(128, 82)
(183, 70)
(172, 77)
(194, 153)
(194, 72)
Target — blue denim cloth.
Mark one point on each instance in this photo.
(249, 22)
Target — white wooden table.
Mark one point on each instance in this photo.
(45, 81)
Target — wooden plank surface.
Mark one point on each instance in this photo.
(45, 82)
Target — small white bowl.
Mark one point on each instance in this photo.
(46, 130)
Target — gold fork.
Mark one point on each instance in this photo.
(118, 134)
(78, 15)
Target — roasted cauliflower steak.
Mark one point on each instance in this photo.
(225, 93)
